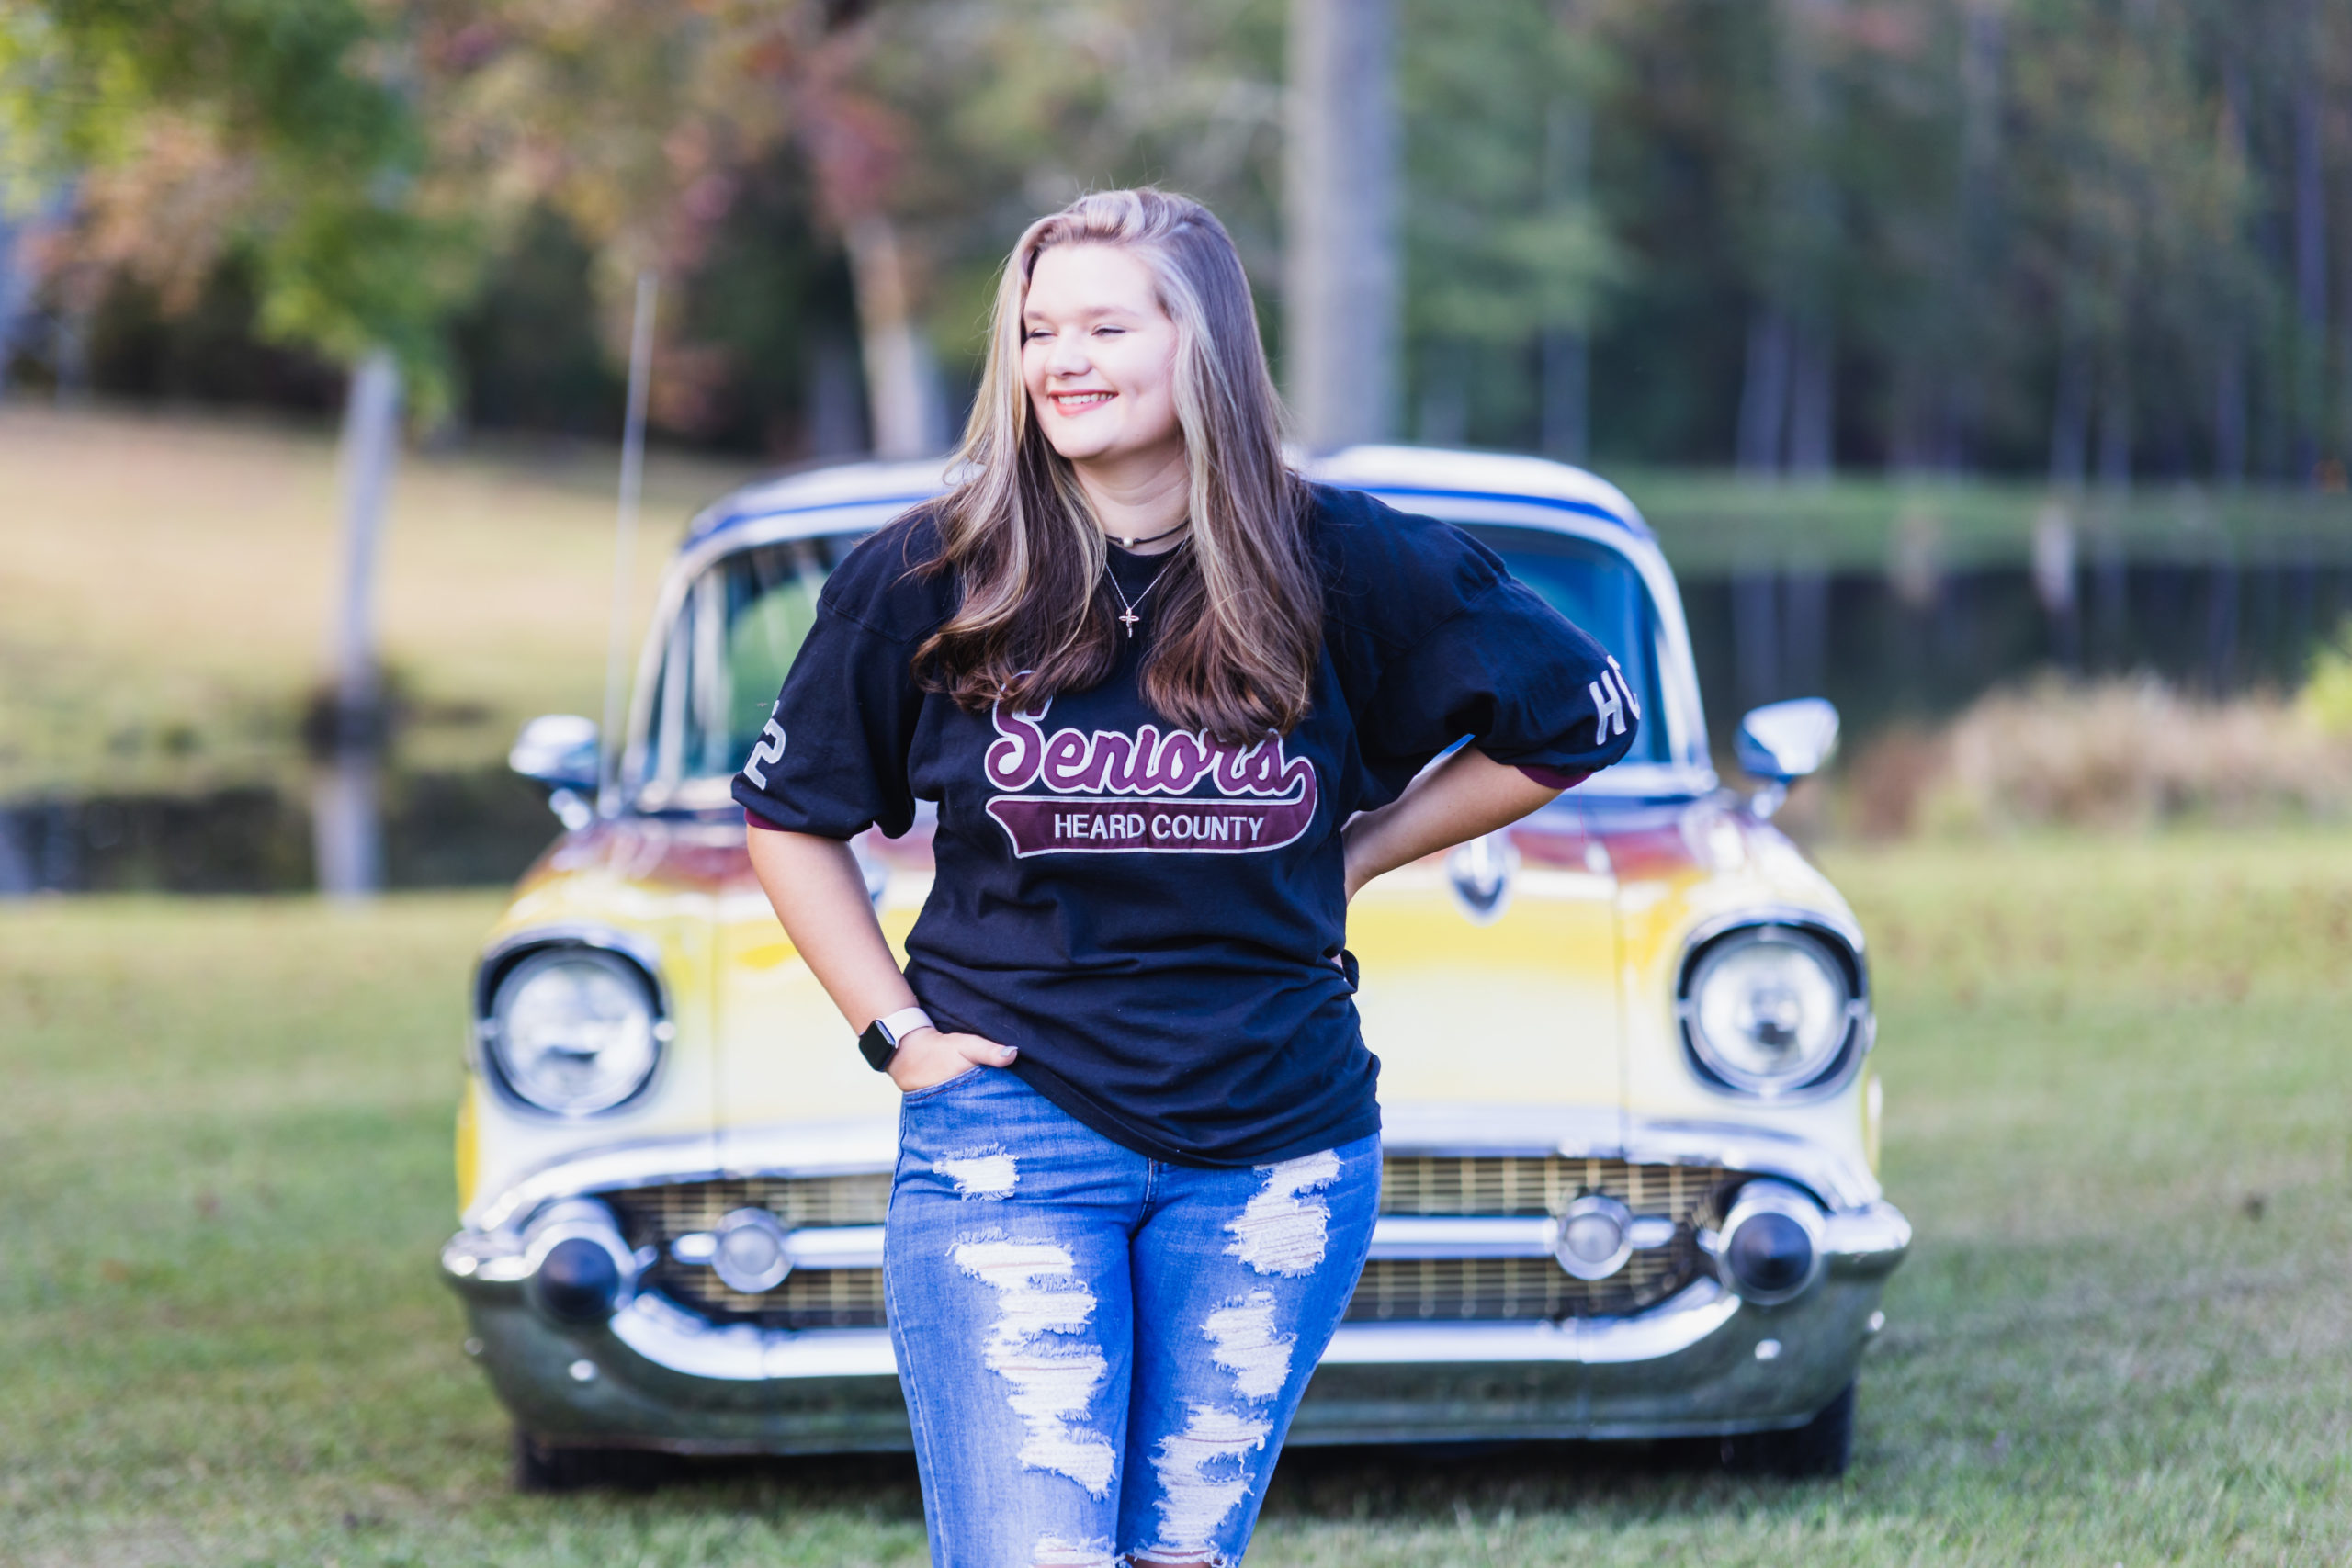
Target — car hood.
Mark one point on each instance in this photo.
(1527, 970)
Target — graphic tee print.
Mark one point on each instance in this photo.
(1149, 916)
(1119, 790)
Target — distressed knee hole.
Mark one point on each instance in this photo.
(1202, 1479)
(1283, 1229)
(1037, 1345)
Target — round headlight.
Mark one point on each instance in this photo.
(572, 1031)
(1768, 1009)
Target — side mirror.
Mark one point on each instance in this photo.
(1781, 742)
(560, 750)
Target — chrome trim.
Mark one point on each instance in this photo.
(676, 1340)
(495, 1069)
(841, 1148)
(1830, 922)
(1866, 1243)
(871, 1146)
(758, 1281)
(501, 953)
(1692, 1364)
(811, 1247)
(1393, 1236)
(1682, 1320)
(1593, 1205)
(1871, 1240)
(1850, 1016)
(1650, 1231)
(499, 959)
(1416, 1235)
(837, 1247)
(666, 1335)
(1586, 1133)
(1482, 874)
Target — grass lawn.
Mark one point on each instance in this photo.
(2118, 1111)
(165, 585)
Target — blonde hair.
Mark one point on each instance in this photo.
(1240, 608)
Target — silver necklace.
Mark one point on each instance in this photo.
(1130, 618)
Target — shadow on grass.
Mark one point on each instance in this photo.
(1435, 1479)
(1429, 1479)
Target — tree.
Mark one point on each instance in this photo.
(1341, 288)
(1504, 247)
(298, 117)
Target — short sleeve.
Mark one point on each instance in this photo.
(833, 759)
(1506, 671)
(1436, 642)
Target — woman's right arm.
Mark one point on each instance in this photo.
(819, 893)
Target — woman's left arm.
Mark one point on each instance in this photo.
(1467, 794)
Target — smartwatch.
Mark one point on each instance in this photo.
(880, 1041)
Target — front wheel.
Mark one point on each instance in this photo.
(551, 1467)
(1819, 1449)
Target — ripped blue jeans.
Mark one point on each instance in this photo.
(1101, 1351)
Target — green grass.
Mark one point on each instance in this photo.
(165, 582)
(2118, 1111)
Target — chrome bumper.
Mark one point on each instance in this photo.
(1704, 1361)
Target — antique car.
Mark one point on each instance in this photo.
(1631, 1118)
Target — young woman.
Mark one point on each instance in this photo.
(1174, 706)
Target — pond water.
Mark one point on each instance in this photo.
(1886, 649)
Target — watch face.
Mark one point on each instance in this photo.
(876, 1045)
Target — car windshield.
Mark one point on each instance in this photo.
(728, 650)
(744, 619)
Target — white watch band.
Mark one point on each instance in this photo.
(903, 1023)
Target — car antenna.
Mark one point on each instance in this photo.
(640, 367)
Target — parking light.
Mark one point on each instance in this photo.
(580, 1269)
(751, 1251)
(1771, 1242)
(1593, 1237)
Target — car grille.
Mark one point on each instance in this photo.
(1417, 1290)
(1488, 1290)
(809, 1298)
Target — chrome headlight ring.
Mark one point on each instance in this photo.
(570, 1022)
(1779, 982)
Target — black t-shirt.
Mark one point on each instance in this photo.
(1150, 917)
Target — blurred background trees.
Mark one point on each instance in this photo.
(2094, 239)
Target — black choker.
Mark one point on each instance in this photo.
(1131, 543)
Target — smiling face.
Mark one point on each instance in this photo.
(1098, 356)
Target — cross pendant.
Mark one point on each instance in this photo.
(1130, 618)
